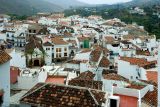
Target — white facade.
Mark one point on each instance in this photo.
(131, 72)
(18, 59)
(29, 78)
(47, 21)
(82, 56)
(5, 82)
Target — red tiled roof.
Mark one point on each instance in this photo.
(135, 85)
(86, 83)
(4, 57)
(151, 98)
(81, 39)
(109, 39)
(58, 41)
(52, 95)
(55, 79)
(137, 61)
(47, 44)
(152, 76)
(88, 75)
(74, 62)
(140, 52)
(95, 55)
(113, 76)
(86, 79)
(104, 62)
(85, 50)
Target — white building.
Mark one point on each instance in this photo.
(30, 77)
(134, 68)
(4, 78)
(18, 58)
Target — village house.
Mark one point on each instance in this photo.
(134, 68)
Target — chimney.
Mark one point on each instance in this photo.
(158, 76)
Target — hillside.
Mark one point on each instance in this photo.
(67, 3)
(142, 3)
(27, 7)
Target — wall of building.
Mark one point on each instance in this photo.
(107, 84)
(18, 59)
(62, 50)
(48, 56)
(74, 66)
(5, 82)
(126, 70)
(82, 56)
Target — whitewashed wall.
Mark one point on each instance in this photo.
(5, 82)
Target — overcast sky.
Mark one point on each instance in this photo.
(103, 1)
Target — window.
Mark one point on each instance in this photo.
(34, 31)
(58, 49)
(65, 54)
(58, 55)
(47, 49)
(65, 49)
(30, 31)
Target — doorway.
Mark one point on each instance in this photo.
(36, 63)
(1, 100)
(113, 103)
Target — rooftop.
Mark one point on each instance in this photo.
(63, 96)
(58, 41)
(113, 76)
(4, 57)
(152, 76)
(139, 61)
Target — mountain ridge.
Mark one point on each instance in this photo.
(27, 7)
(68, 4)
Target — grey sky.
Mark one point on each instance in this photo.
(103, 1)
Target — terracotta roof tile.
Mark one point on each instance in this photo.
(58, 41)
(152, 76)
(86, 79)
(52, 95)
(104, 62)
(109, 39)
(34, 42)
(88, 75)
(86, 83)
(140, 52)
(139, 61)
(4, 57)
(113, 76)
(136, 85)
(47, 44)
(151, 98)
(95, 55)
